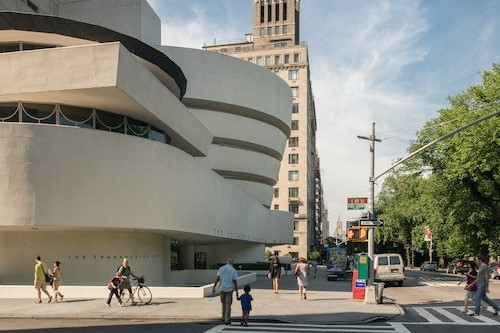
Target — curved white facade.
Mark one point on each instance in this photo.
(91, 196)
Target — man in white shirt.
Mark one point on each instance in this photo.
(227, 277)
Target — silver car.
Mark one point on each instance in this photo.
(429, 266)
(495, 270)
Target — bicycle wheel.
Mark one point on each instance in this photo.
(125, 296)
(144, 295)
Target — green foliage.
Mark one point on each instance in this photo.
(454, 186)
(268, 254)
(314, 254)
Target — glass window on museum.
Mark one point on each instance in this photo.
(277, 30)
(293, 175)
(269, 31)
(39, 113)
(293, 158)
(296, 57)
(295, 108)
(293, 141)
(295, 125)
(285, 29)
(295, 91)
(276, 192)
(293, 192)
(269, 13)
(259, 61)
(261, 11)
(261, 31)
(9, 112)
(293, 74)
(276, 59)
(276, 207)
(295, 225)
(284, 10)
(250, 59)
(286, 58)
(294, 208)
(268, 60)
(277, 12)
(295, 241)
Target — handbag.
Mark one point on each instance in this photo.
(297, 272)
(48, 279)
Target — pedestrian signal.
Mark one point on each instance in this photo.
(357, 234)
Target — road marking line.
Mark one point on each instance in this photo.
(400, 328)
(427, 315)
(451, 316)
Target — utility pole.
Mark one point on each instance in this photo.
(371, 203)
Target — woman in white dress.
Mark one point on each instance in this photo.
(301, 271)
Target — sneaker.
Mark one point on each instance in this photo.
(50, 299)
(62, 296)
(109, 305)
(473, 314)
(122, 305)
(495, 313)
(39, 301)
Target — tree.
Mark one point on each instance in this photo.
(459, 194)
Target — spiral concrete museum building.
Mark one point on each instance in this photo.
(111, 147)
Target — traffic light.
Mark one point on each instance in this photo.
(357, 234)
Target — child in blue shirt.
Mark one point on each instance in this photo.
(246, 305)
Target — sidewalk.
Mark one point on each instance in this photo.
(328, 302)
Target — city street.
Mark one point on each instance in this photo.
(432, 302)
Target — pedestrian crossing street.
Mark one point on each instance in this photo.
(422, 315)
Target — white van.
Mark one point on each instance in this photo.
(389, 268)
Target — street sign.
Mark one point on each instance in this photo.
(372, 223)
(357, 203)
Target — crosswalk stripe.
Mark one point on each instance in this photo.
(444, 311)
(273, 327)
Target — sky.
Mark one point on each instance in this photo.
(392, 62)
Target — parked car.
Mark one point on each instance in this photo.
(429, 266)
(458, 266)
(495, 270)
(335, 270)
(389, 268)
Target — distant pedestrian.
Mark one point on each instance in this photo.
(113, 286)
(57, 280)
(275, 273)
(314, 265)
(246, 305)
(482, 281)
(40, 284)
(301, 272)
(227, 277)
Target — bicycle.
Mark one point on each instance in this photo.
(140, 290)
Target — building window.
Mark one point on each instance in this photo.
(250, 59)
(277, 12)
(269, 31)
(293, 158)
(277, 30)
(284, 10)
(286, 59)
(295, 125)
(269, 13)
(259, 61)
(237, 49)
(295, 91)
(293, 142)
(294, 208)
(276, 192)
(293, 192)
(276, 59)
(293, 74)
(261, 12)
(295, 225)
(296, 57)
(284, 29)
(280, 44)
(293, 175)
(295, 239)
(261, 32)
(295, 108)
(268, 60)
(276, 207)
(223, 50)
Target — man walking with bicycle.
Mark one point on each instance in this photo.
(228, 279)
(126, 272)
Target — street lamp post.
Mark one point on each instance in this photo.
(370, 291)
